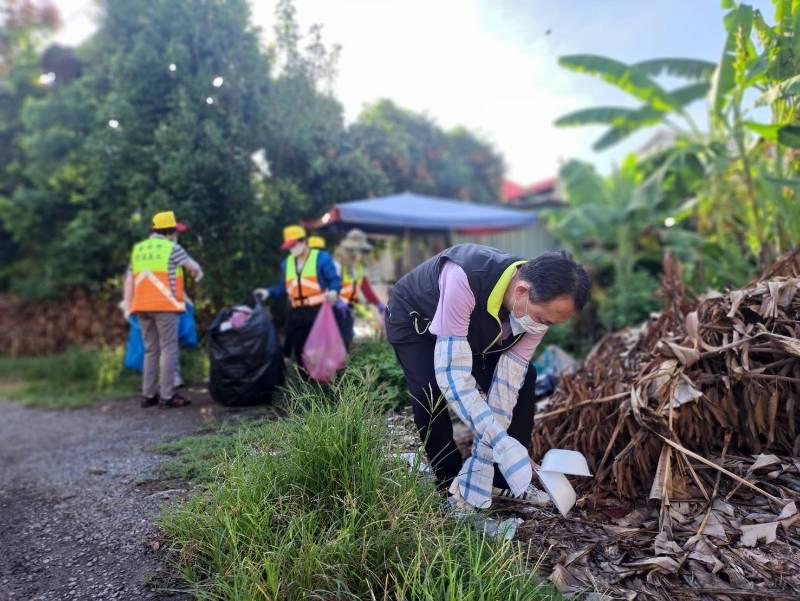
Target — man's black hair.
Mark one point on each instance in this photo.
(555, 274)
(166, 231)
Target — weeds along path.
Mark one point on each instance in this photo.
(77, 499)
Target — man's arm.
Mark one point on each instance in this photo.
(453, 367)
(180, 257)
(127, 292)
(453, 355)
(278, 290)
(369, 293)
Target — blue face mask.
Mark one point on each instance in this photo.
(525, 323)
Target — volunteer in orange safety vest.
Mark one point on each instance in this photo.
(154, 292)
(309, 279)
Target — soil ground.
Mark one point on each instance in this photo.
(79, 493)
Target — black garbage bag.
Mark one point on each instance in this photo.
(246, 362)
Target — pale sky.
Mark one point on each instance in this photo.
(491, 65)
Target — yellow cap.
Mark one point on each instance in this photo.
(164, 220)
(316, 242)
(291, 234)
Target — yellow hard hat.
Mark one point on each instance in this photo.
(291, 234)
(166, 220)
(316, 242)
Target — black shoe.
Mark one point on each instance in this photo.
(149, 401)
(176, 401)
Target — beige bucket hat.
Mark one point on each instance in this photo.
(356, 239)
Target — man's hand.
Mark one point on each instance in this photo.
(261, 293)
(341, 306)
(198, 275)
(126, 310)
(514, 463)
(331, 296)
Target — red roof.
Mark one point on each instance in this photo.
(512, 191)
(542, 186)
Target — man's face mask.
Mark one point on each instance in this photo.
(526, 323)
(298, 249)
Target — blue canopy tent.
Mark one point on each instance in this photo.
(401, 213)
(428, 225)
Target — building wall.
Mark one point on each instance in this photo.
(527, 242)
(392, 258)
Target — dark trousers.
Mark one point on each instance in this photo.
(346, 320)
(430, 407)
(298, 327)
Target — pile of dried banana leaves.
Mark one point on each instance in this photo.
(690, 426)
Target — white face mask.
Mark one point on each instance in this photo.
(298, 249)
(525, 323)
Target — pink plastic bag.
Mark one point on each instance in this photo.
(324, 352)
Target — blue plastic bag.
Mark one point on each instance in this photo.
(187, 328)
(187, 338)
(134, 353)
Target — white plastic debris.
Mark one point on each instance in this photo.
(497, 529)
(557, 463)
(414, 459)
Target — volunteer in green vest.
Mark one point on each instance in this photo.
(349, 259)
(309, 279)
(156, 296)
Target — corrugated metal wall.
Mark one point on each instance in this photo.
(386, 266)
(527, 242)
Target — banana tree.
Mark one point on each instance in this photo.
(659, 105)
(751, 167)
(615, 223)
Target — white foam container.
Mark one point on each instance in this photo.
(555, 464)
(564, 461)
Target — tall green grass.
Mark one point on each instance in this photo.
(318, 508)
(74, 378)
(389, 382)
(79, 377)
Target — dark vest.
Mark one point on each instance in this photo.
(415, 296)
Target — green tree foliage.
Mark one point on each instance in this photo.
(388, 149)
(23, 26)
(416, 155)
(614, 224)
(744, 207)
(724, 201)
(144, 129)
(304, 120)
(173, 104)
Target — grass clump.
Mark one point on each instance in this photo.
(198, 458)
(73, 378)
(80, 377)
(315, 507)
(377, 357)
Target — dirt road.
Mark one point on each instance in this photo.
(77, 501)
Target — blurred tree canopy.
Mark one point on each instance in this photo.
(177, 104)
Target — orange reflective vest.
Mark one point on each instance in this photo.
(303, 289)
(151, 287)
(350, 286)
